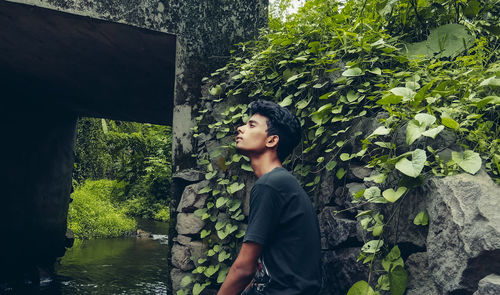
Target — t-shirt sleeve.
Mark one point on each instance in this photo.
(264, 214)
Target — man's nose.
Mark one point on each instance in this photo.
(239, 129)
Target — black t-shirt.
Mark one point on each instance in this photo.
(282, 220)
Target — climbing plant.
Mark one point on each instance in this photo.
(424, 71)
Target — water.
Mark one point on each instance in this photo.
(126, 265)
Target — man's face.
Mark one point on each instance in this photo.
(252, 137)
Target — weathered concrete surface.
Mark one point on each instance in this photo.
(36, 182)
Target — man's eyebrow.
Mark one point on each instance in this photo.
(252, 122)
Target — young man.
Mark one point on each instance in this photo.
(281, 247)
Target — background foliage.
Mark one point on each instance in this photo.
(137, 157)
(426, 71)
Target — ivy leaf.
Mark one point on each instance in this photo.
(345, 156)
(377, 230)
(398, 280)
(340, 173)
(372, 246)
(413, 131)
(222, 275)
(414, 167)
(287, 101)
(375, 71)
(449, 122)
(432, 133)
(211, 270)
(205, 233)
(389, 99)
(210, 175)
(425, 119)
(247, 167)
(186, 280)
(371, 193)
(392, 196)
(197, 288)
(352, 72)
(330, 165)
(234, 187)
(381, 130)
(361, 288)
(217, 90)
(491, 81)
(405, 92)
(205, 190)
(377, 178)
(223, 256)
(422, 218)
(468, 160)
(221, 201)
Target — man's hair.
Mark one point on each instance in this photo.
(281, 122)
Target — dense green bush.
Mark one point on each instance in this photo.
(94, 212)
(137, 154)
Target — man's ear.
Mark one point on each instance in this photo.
(272, 141)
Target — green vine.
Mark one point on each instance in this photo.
(335, 65)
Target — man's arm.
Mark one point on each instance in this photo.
(242, 270)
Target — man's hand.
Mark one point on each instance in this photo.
(242, 270)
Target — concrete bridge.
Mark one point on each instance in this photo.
(137, 60)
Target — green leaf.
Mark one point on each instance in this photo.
(392, 196)
(352, 72)
(217, 90)
(449, 122)
(371, 193)
(422, 218)
(345, 157)
(210, 175)
(377, 230)
(223, 256)
(235, 187)
(352, 96)
(432, 133)
(340, 173)
(389, 99)
(404, 92)
(197, 288)
(377, 178)
(361, 288)
(330, 165)
(491, 81)
(205, 233)
(425, 119)
(398, 280)
(287, 101)
(186, 280)
(375, 71)
(222, 275)
(468, 160)
(364, 213)
(372, 246)
(247, 167)
(205, 190)
(413, 131)
(221, 201)
(381, 130)
(414, 167)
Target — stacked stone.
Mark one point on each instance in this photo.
(187, 246)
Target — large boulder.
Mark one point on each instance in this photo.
(463, 243)
(181, 257)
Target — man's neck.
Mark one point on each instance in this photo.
(264, 163)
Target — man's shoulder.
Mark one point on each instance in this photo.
(277, 178)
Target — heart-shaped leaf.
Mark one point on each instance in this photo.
(372, 246)
(425, 119)
(352, 72)
(422, 218)
(361, 288)
(468, 160)
(432, 133)
(392, 195)
(414, 167)
(413, 131)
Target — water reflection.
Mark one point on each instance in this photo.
(127, 265)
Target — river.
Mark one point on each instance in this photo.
(127, 265)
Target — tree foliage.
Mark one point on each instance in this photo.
(425, 70)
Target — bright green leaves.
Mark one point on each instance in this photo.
(372, 246)
(227, 230)
(361, 288)
(392, 196)
(217, 90)
(422, 218)
(418, 127)
(491, 81)
(393, 264)
(449, 122)
(468, 160)
(414, 166)
(352, 72)
(234, 187)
